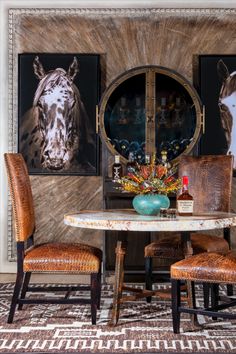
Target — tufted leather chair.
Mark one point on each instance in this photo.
(49, 257)
(210, 181)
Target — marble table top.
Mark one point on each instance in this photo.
(129, 220)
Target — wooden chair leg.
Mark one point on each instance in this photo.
(214, 297)
(15, 297)
(148, 276)
(175, 288)
(94, 296)
(206, 294)
(24, 288)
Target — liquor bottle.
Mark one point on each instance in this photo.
(147, 159)
(139, 156)
(131, 164)
(178, 120)
(123, 111)
(164, 159)
(163, 113)
(124, 147)
(139, 113)
(175, 147)
(117, 168)
(185, 200)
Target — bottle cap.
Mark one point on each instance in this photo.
(117, 158)
(185, 180)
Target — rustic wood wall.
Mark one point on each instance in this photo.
(125, 39)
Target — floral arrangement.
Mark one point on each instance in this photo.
(150, 178)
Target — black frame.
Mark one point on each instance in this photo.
(208, 84)
(87, 81)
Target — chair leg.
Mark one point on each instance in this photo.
(99, 289)
(206, 294)
(175, 289)
(15, 297)
(230, 290)
(94, 296)
(193, 294)
(24, 288)
(214, 297)
(148, 276)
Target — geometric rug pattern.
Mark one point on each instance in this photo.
(142, 327)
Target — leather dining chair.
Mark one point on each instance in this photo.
(210, 182)
(51, 257)
(205, 268)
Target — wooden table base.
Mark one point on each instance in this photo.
(119, 286)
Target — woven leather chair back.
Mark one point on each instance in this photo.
(210, 181)
(21, 196)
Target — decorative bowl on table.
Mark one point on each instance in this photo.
(151, 183)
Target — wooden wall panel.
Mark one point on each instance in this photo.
(125, 39)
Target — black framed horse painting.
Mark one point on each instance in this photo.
(217, 88)
(57, 98)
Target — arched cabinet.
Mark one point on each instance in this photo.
(145, 110)
(150, 109)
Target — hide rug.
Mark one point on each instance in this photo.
(142, 328)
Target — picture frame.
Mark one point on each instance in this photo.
(215, 79)
(57, 98)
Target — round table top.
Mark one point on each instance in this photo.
(129, 220)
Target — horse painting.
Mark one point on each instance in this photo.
(55, 134)
(227, 106)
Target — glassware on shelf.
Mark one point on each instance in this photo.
(124, 147)
(175, 147)
(178, 112)
(147, 159)
(139, 156)
(163, 112)
(184, 144)
(139, 112)
(134, 146)
(123, 112)
(131, 164)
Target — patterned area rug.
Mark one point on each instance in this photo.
(142, 327)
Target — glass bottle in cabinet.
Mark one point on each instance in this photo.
(123, 117)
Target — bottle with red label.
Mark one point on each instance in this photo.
(185, 199)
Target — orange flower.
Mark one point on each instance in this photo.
(161, 171)
(134, 178)
(169, 180)
(145, 171)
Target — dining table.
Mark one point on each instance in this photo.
(130, 220)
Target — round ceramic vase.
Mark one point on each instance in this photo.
(150, 204)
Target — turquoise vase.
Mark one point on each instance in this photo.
(150, 204)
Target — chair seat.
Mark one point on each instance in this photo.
(63, 257)
(206, 267)
(171, 247)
